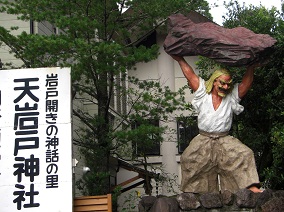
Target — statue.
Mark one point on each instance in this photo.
(214, 160)
(214, 156)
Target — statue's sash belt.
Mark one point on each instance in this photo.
(213, 135)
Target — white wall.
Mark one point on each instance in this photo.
(168, 72)
(7, 21)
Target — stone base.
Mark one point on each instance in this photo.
(243, 200)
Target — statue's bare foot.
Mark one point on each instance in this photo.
(255, 189)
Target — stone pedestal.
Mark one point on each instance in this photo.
(243, 200)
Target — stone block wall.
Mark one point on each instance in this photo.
(243, 200)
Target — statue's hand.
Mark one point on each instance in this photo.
(258, 63)
(176, 57)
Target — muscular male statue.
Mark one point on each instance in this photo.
(213, 152)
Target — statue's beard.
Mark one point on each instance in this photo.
(222, 92)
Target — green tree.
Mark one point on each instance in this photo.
(100, 43)
(260, 126)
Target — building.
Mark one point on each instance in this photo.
(31, 27)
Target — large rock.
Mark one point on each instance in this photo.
(146, 203)
(245, 198)
(233, 47)
(265, 196)
(188, 201)
(211, 200)
(274, 205)
(165, 204)
(227, 197)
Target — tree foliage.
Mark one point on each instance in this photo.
(100, 42)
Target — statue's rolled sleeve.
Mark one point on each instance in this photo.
(199, 94)
(236, 107)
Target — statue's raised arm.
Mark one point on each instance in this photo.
(188, 72)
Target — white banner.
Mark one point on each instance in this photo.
(36, 141)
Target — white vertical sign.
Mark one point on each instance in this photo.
(35, 140)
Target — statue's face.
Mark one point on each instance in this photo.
(222, 85)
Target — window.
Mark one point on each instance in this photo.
(150, 144)
(187, 129)
(119, 98)
(149, 41)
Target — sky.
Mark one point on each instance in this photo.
(217, 12)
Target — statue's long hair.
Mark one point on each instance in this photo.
(214, 76)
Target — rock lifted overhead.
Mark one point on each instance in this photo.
(232, 47)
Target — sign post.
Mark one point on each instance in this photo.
(35, 140)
